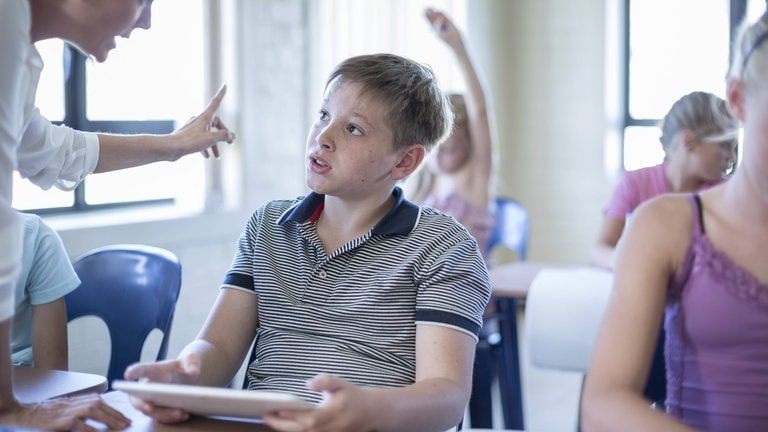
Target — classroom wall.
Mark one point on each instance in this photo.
(544, 60)
(546, 64)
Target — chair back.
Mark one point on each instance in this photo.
(512, 227)
(133, 289)
(563, 312)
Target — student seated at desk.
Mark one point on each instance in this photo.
(39, 332)
(358, 299)
(699, 138)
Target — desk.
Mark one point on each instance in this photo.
(141, 423)
(35, 385)
(514, 279)
(510, 283)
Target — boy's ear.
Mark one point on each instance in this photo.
(410, 159)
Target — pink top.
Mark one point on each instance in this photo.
(716, 348)
(479, 221)
(637, 187)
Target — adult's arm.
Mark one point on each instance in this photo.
(201, 134)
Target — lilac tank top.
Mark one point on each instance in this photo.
(479, 221)
(716, 348)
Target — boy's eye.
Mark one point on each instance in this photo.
(323, 115)
(354, 130)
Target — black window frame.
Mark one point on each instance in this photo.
(75, 116)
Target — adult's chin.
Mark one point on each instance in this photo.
(97, 53)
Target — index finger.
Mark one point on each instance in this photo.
(213, 105)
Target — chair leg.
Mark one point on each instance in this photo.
(510, 382)
(480, 401)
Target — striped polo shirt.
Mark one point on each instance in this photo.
(353, 313)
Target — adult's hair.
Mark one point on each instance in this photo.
(750, 62)
(704, 114)
(415, 107)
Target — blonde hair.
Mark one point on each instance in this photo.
(750, 64)
(416, 109)
(702, 113)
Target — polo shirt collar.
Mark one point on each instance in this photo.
(401, 219)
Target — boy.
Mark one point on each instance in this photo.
(358, 299)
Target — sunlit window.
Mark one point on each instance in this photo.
(674, 47)
(150, 83)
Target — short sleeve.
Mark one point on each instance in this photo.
(51, 275)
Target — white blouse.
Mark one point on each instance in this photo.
(44, 153)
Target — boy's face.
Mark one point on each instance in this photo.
(350, 147)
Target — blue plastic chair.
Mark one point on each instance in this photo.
(512, 227)
(134, 289)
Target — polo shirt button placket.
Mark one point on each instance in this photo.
(322, 274)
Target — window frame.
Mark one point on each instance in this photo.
(738, 10)
(75, 116)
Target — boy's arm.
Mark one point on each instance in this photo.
(438, 398)
(49, 335)
(435, 402)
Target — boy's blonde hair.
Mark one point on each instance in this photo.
(416, 109)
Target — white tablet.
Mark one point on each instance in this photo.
(211, 401)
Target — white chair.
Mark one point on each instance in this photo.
(563, 312)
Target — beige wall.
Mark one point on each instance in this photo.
(545, 63)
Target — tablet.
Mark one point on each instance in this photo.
(211, 401)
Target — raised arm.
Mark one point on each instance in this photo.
(479, 113)
(647, 259)
(201, 134)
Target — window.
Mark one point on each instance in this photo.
(673, 47)
(150, 83)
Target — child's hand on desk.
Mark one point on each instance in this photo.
(346, 407)
(184, 370)
(65, 414)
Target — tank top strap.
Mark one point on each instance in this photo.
(698, 214)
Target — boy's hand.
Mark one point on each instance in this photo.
(346, 407)
(184, 370)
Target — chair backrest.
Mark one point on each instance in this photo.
(134, 289)
(512, 227)
(563, 312)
